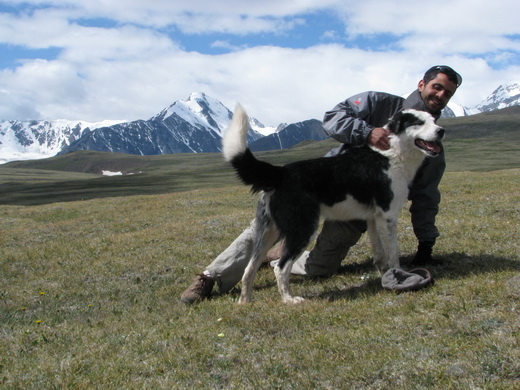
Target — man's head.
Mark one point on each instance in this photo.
(438, 85)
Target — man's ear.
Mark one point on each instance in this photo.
(421, 85)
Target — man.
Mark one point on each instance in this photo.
(356, 121)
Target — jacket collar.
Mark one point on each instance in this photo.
(415, 102)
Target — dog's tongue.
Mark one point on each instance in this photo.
(431, 146)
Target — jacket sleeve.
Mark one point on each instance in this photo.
(352, 120)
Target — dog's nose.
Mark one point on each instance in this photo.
(440, 132)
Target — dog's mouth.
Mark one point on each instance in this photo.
(431, 148)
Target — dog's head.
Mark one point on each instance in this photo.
(419, 130)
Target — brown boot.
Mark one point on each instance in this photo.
(199, 290)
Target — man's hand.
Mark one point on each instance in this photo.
(378, 138)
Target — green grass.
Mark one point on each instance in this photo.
(92, 267)
(77, 176)
(89, 299)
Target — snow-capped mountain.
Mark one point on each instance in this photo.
(29, 140)
(194, 125)
(506, 95)
(453, 110)
(290, 135)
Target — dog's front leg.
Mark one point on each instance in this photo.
(383, 235)
(282, 279)
(377, 246)
(390, 244)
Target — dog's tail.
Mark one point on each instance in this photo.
(261, 175)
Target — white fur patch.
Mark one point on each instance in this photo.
(234, 141)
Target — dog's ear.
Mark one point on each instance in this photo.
(393, 123)
(402, 120)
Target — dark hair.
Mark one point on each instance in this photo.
(453, 76)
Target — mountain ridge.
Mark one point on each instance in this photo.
(194, 125)
(483, 142)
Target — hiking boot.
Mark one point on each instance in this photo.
(424, 255)
(199, 290)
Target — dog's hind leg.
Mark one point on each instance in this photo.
(294, 246)
(297, 226)
(282, 279)
(264, 241)
(266, 236)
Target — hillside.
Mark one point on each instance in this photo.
(483, 142)
(500, 123)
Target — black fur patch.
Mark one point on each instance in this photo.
(261, 175)
(359, 172)
(301, 187)
(401, 121)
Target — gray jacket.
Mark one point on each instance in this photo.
(350, 123)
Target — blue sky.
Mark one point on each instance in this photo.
(285, 60)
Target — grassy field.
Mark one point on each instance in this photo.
(77, 176)
(92, 267)
(89, 299)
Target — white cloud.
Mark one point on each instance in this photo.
(132, 64)
(38, 87)
(400, 17)
(195, 16)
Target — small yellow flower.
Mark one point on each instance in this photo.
(42, 293)
(221, 335)
(38, 322)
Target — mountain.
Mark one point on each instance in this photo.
(187, 126)
(291, 135)
(39, 139)
(506, 95)
(194, 125)
(453, 110)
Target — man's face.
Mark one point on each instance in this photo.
(438, 92)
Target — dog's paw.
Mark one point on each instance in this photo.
(293, 300)
(244, 300)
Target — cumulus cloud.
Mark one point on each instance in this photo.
(114, 60)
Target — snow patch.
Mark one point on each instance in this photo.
(109, 173)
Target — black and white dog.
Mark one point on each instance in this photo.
(363, 183)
